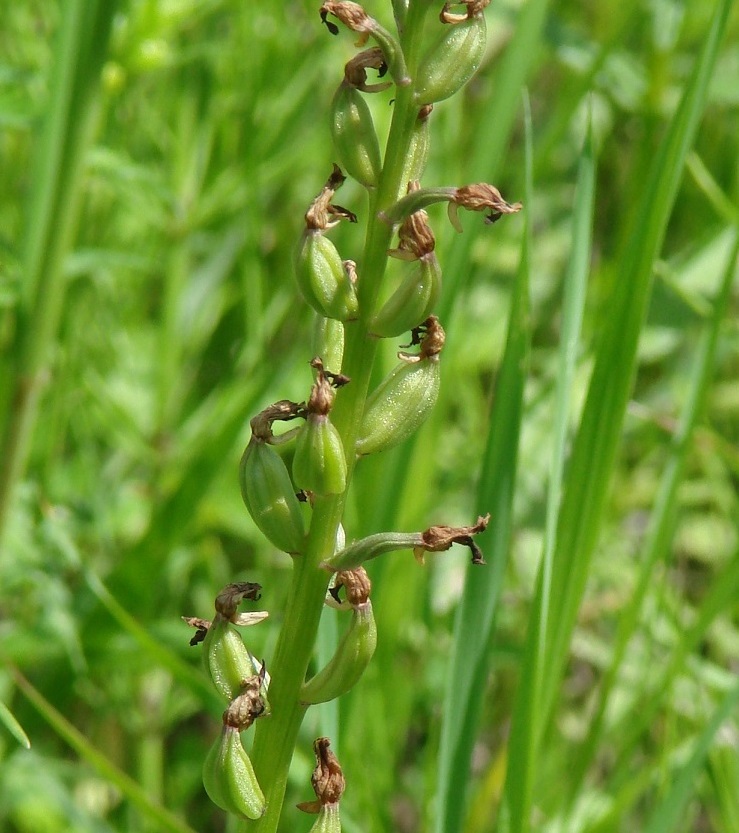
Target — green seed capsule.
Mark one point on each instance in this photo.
(399, 405)
(319, 464)
(269, 496)
(452, 61)
(412, 302)
(229, 779)
(328, 342)
(328, 820)
(228, 659)
(355, 139)
(356, 647)
(418, 151)
(322, 278)
(352, 657)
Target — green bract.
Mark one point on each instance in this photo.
(322, 279)
(229, 779)
(355, 139)
(269, 496)
(451, 61)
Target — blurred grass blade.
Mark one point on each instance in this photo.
(664, 516)
(198, 683)
(468, 666)
(102, 765)
(667, 815)
(597, 441)
(495, 124)
(56, 191)
(7, 718)
(527, 719)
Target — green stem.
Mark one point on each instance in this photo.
(276, 736)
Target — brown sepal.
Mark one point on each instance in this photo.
(441, 538)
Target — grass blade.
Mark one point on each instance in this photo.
(666, 817)
(7, 718)
(478, 608)
(597, 441)
(102, 765)
(527, 720)
(664, 516)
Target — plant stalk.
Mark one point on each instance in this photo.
(276, 736)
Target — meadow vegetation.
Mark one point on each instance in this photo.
(157, 161)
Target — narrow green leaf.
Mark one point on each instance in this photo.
(7, 718)
(664, 516)
(102, 765)
(528, 716)
(665, 818)
(597, 442)
(478, 608)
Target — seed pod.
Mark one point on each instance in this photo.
(452, 61)
(328, 820)
(228, 659)
(355, 139)
(412, 302)
(269, 496)
(229, 779)
(322, 278)
(319, 464)
(356, 647)
(328, 341)
(418, 150)
(403, 400)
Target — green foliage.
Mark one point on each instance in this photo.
(588, 400)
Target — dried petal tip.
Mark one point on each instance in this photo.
(249, 704)
(355, 71)
(441, 538)
(322, 214)
(356, 584)
(327, 779)
(352, 15)
(229, 599)
(430, 335)
(415, 238)
(480, 197)
(474, 9)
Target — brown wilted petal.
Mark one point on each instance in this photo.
(415, 238)
(356, 583)
(327, 779)
(201, 626)
(337, 380)
(430, 336)
(352, 15)
(474, 9)
(441, 538)
(229, 599)
(261, 424)
(355, 71)
(249, 705)
(322, 214)
(480, 197)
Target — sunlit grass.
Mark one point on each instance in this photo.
(178, 320)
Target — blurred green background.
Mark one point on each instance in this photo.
(177, 320)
